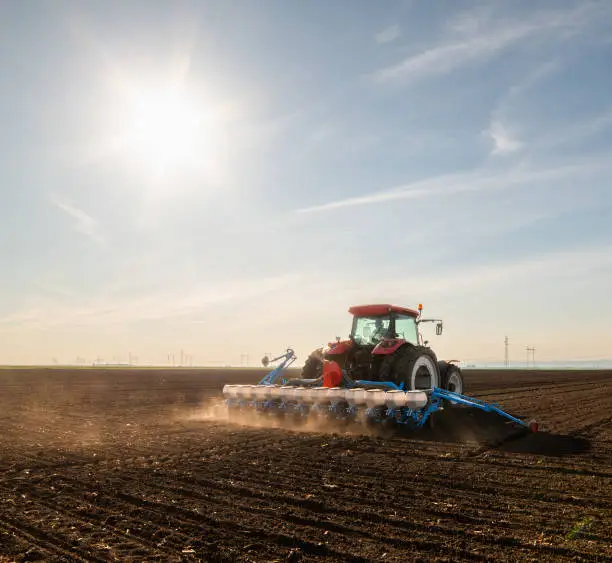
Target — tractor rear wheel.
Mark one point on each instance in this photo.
(416, 368)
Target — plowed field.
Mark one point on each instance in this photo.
(119, 464)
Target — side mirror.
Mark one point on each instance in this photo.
(265, 361)
(439, 329)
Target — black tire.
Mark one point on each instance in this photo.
(385, 370)
(417, 369)
(452, 379)
(313, 368)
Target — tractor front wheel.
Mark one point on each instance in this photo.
(313, 366)
(453, 380)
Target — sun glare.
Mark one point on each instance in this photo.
(165, 130)
(167, 138)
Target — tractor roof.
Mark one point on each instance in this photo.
(375, 310)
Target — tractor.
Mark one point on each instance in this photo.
(384, 373)
(385, 344)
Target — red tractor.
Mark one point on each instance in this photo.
(385, 345)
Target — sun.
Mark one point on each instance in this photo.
(164, 130)
(166, 137)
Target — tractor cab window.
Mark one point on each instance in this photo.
(370, 330)
(406, 328)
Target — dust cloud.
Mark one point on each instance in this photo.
(215, 410)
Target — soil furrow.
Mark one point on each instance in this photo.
(118, 541)
(38, 538)
(332, 523)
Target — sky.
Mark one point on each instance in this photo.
(228, 177)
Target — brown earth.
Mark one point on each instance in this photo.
(137, 464)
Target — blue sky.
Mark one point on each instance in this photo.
(229, 177)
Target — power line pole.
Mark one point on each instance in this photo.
(506, 351)
(532, 350)
(527, 362)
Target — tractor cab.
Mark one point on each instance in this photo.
(374, 323)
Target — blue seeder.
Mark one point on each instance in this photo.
(372, 402)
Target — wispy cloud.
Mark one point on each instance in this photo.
(575, 262)
(503, 141)
(83, 222)
(388, 34)
(444, 58)
(541, 72)
(471, 21)
(503, 135)
(479, 43)
(557, 264)
(450, 184)
(503, 126)
(165, 305)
